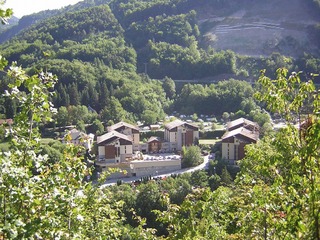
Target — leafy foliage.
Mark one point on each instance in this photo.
(5, 14)
(43, 197)
(97, 48)
(43, 193)
(285, 177)
(191, 156)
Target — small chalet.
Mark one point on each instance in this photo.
(179, 133)
(240, 133)
(79, 138)
(154, 144)
(154, 127)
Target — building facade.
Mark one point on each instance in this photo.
(77, 137)
(129, 130)
(240, 133)
(114, 148)
(179, 133)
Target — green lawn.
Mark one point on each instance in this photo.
(219, 126)
(208, 141)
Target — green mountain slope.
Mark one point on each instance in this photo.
(101, 50)
(254, 28)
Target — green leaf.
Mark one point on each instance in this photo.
(3, 62)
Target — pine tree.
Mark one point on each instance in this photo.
(226, 178)
(74, 94)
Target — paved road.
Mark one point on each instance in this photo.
(204, 165)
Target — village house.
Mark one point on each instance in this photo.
(77, 137)
(154, 145)
(239, 133)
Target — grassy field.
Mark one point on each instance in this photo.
(208, 141)
(219, 126)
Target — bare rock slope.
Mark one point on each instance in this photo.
(262, 27)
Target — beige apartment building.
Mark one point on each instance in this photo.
(179, 133)
(114, 148)
(129, 130)
(239, 133)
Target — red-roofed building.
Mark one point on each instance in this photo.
(8, 121)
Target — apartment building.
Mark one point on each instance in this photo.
(179, 133)
(239, 133)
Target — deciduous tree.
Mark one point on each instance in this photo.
(283, 172)
(191, 156)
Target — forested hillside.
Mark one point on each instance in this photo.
(106, 53)
(274, 196)
(44, 189)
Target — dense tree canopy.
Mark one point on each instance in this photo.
(97, 49)
(276, 194)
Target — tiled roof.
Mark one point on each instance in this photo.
(154, 139)
(121, 124)
(241, 132)
(174, 124)
(241, 121)
(192, 125)
(112, 134)
(76, 134)
(177, 123)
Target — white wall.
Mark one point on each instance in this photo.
(145, 168)
(101, 151)
(136, 138)
(228, 147)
